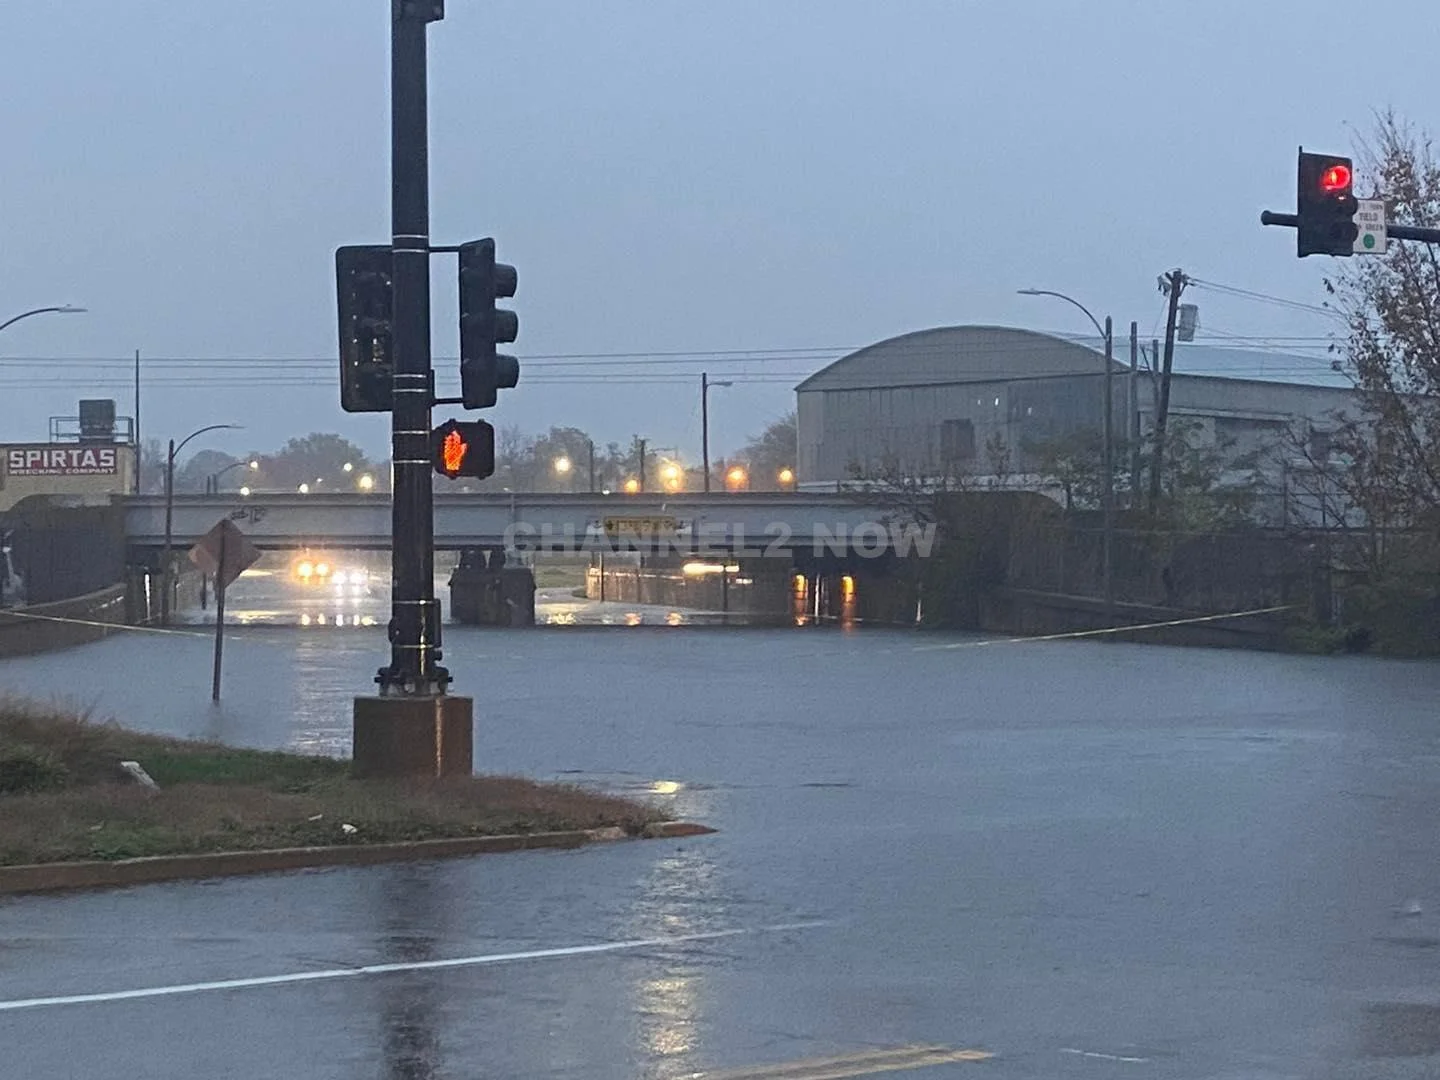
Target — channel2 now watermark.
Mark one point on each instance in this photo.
(779, 540)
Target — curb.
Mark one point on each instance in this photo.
(109, 874)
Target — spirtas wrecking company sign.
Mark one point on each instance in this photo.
(61, 461)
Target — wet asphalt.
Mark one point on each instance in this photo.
(1084, 859)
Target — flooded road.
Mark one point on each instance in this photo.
(1062, 859)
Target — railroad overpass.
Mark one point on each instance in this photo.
(722, 523)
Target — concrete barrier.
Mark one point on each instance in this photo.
(62, 623)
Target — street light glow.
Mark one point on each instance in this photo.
(632, 486)
(366, 482)
(786, 476)
(562, 465)
(244, 492)
(349, 466)
(304, 489)
(736, 476)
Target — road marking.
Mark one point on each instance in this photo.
(863, 1063)
(1107, 630)
(389, 969)
(1103, 1057)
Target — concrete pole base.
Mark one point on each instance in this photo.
(421, 738)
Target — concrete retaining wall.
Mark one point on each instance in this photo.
(24, 631)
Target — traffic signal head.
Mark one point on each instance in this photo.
(463, 448)
(366, 313)
(1325, 205)
(483, 281)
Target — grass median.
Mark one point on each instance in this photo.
(64, 796)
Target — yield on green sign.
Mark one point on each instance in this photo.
(1370, 219)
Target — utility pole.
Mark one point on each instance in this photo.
(135, 424)
(1133, 423)
(1108, 463)
(705, 427)
(641, 443)
(1173, 284)
(591, 445)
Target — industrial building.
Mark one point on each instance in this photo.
(942, 402)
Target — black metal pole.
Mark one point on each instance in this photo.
(169, 522)
(1108, 459)
(705, 427)
(415, 614)
(219, 618)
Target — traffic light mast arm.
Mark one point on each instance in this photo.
(1395, 232)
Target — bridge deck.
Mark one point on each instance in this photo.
(729, 522)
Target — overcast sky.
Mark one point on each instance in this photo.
(769, 175)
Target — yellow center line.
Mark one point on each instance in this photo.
(863, 1063)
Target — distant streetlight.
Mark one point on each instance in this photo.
(166, 569)
(304, 489)
(245, 491)
(212, 485)
(349, 466)
(366, 482)
(705, 385)
(632, 486)
(562, 465)
(670, 475)
(736, 477)
(63, 309)
(1107, 497)
(786, 476)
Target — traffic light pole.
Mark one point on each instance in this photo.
(1394, 232)
(413, 729)
(415, 615)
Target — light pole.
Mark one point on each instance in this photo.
(705, 385)
(170, 513)
(1107, 498)
(63, 309)
(212, 483)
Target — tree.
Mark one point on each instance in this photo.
(318, 460)
(766, 454)
(198, 468)
(1391, 351)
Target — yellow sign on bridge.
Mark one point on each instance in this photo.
(639, 526)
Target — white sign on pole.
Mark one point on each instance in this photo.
(1370, 217)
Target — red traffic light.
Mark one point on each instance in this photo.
(1336, 179)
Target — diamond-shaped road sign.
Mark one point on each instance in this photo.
(1370, 217)
(225, 552)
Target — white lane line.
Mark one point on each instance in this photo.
(1103, 1057)
(388, 969)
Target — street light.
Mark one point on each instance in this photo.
(1107, 451)
(63, 309)
(632, 486)
(212, 484)
(366, 482)
(670, 474)
(736, 477)
(786, 476)
(705, 385)
(170, 509)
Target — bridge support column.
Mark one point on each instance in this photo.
(486, 592)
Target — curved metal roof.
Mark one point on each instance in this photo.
(956, 354)
(960, 354)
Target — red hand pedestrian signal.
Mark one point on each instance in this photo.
(452, 453)
(463, 448)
